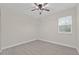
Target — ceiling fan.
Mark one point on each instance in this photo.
(40, 7)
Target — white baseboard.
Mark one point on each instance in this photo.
(58, 43)
(36, 39)
(17, 44)
(77, 50)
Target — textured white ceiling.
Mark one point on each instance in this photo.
(25, 8)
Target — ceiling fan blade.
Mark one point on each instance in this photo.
(35, 9)
(36, 4)
(45, 4)
(46, 9)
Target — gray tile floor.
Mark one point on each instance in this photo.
(39, 47)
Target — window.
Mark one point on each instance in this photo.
(65, 24)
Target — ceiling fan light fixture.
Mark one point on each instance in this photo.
(40, 7)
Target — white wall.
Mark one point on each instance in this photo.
(16, 27)
(0, 29)
(49, 29)
(78, 26)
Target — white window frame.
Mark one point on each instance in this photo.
(65, 32)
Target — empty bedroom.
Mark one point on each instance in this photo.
(39, 28)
